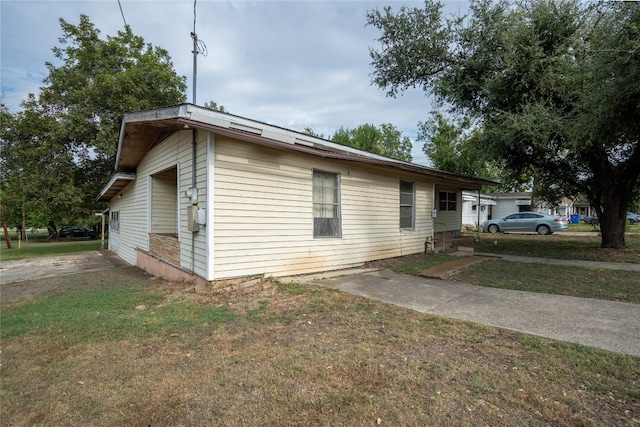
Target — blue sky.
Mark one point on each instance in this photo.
(295, 64)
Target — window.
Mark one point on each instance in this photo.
(447, 201)
(326, 204)
(114, 220)
(407, 202)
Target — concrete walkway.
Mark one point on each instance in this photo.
(608, 325)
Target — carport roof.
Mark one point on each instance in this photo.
(117, 183)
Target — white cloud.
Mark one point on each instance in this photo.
(294, 64)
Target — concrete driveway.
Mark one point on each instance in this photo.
(613, 326)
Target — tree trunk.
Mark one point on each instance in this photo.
(613, 222)
(4, 227)
(24, 226)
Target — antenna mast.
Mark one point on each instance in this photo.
(194, 36)
(198, 47)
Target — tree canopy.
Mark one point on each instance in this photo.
(453, 144)
(60, 150)
(554, 86)
(385, 140)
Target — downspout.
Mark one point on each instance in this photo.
(478, 209)
(194, 145)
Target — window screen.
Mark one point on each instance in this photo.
(114, 221)
(407, 204)
(326, 204)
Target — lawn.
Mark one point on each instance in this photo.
(121, 348)
(559, 246)
(615, 285)
(35, 249)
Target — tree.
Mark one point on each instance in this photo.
(552, 84)
(311, 132)
(214, 106)
(385, 140)
(453, 145)
(72, 126)
(38, 180)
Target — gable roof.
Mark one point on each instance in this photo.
(143, 130)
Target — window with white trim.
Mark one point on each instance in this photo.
(407, 204)
(447, 201)
(326, 204)
(114, 220)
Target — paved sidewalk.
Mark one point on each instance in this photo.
(608, 325)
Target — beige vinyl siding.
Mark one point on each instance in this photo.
(448, 220)
(133, 215)
(164, 199)
(195, 262)
(264, 219)
(134, 206)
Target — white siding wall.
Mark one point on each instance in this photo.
(503, 207)
(133, 216)
(164, 194)
(448, 220)
(134, 204)
(470, 215)
(264, 222)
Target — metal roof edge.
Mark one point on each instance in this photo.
(116, 177)
(196, 115)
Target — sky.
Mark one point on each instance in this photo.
(295, 64)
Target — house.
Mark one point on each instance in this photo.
(208, 195)
(476, 208)
(497, 205)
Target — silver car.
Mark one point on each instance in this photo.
(526, 222)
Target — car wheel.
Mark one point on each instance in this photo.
(593, 222)
(631, 221)
(493, 228)
(544, 230)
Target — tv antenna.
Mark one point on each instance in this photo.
(198, 48)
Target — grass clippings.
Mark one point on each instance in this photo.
(277, 354)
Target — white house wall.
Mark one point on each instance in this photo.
(448, 221)
(503, 207)
(132, 209)
(264, 220)
(196, 260)
(134, 204)
(470, 215)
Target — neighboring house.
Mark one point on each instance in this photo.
(499, 205)
(203, 193)
(476, 208)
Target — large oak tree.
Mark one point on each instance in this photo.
(60, 150)
(554, 86)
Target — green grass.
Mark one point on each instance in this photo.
(426, 262)
(586, 228)
(559, 246)
(615, 285)
(310, 355)
(35, 249)
(96, 312)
